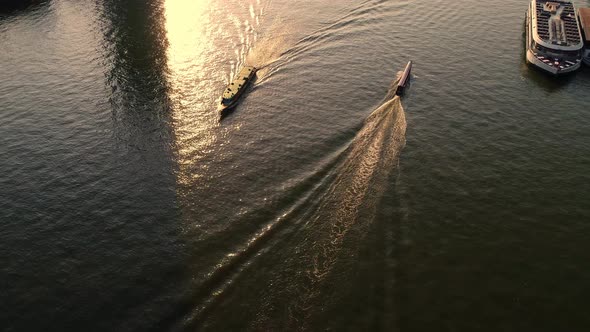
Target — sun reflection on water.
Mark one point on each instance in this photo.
(191, 86)
(208, 41)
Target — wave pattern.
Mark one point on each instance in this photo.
(310, 231)
(305, 233)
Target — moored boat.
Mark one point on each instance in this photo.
(584, 20)
(553, 38)
(235, 89)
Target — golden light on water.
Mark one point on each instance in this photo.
(208, 42)
(186, 28)
(192, 91)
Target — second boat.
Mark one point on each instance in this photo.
(553, 39)
(584, 17)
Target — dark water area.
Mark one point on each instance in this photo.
(321, 203)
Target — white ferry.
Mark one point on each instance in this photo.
(553, 38)
(584, 17)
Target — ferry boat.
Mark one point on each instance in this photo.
(236, 88)
(553, 38)
(584, 18)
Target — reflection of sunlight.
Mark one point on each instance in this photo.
(190, 45)
(186, 32)
(208, 41)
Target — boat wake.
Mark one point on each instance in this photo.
(332, 209)
(260, 48)
(269, 48)
(347, 206)
(276, 44)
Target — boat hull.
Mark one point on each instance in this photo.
(554, 70)
(404, 80)
(224, 108)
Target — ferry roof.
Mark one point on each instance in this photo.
(555, 25)
(584, 14)
(238, 82)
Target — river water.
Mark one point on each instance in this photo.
(321, 202)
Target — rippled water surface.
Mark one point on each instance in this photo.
(321, 202)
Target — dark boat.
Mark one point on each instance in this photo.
(404, 81)
(584, 20)
(236, 88)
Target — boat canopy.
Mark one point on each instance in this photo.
(554, 25)
(240, 80)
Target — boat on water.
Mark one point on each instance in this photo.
(553, 38)
(404, 80)
(584, 20)
(235, 89)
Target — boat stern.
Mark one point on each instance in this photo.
(555, 66)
